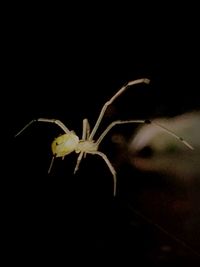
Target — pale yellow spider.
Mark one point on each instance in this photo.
(69, 141)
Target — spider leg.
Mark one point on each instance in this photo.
(86, 132)
(110, 126)
(84, 138)
(111, 168)
(58, 122)
(103, 110)
(180, 139)
(51, 164)
(78, 162)
(86, 129)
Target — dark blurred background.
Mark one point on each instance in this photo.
(65, 63)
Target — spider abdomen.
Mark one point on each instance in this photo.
(65, 144)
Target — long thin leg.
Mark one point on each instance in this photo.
(111, 168)
(86, 130)
(51, 164)
(59, 123)
(78, 162)
(101, 137)
(143, 80)
(142, 121)
(85, 134)
(173, 134)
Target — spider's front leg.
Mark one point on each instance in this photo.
(85, 136)
(86, 130)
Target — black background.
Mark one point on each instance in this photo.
(64, 63)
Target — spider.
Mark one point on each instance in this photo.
(69, 142)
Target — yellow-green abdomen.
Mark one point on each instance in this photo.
(64, 144)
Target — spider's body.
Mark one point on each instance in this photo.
(65, 144)
(69, 142)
